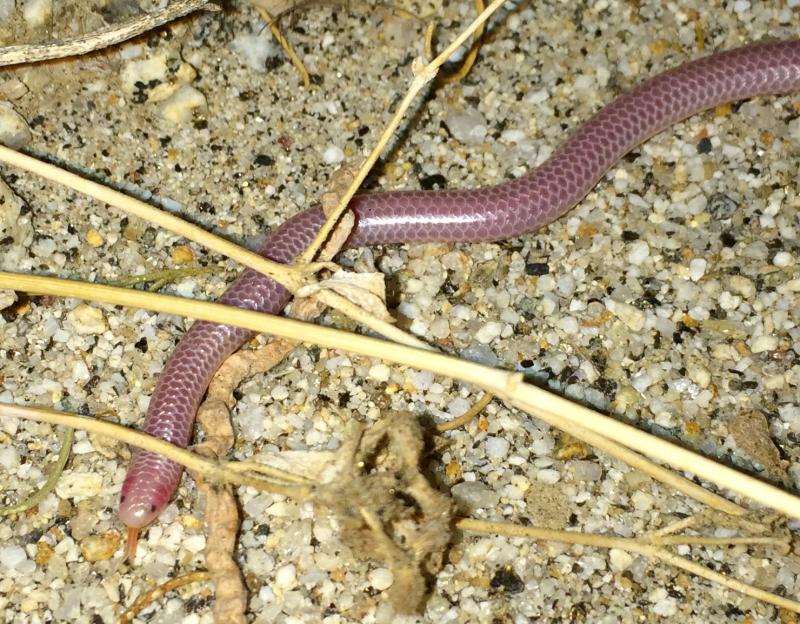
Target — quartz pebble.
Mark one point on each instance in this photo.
(332, 155)
(381, 578)
(489, 332)
(620, 560)
(475, 495)
(79, 485)
(14, 131)
(87, 320)
(380, 372)
(181, 105)
(467, 126)
(496, 448)
(632, 316)
(548, 476)
(760, 344)
(7, 298)
(286, 576)
(37, 12)
(12, 557)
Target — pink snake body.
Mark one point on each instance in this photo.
(486, 214)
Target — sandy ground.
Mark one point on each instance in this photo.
(661, 298)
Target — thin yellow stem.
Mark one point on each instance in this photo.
(210, 469)
(289, 276)
(507, 386)
(631, 545)
(423, 75)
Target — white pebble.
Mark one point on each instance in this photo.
(666, 607)
(37, 12)
(589, 471)
(440, 328)
(632, 316)
(639, 251)
(619, 560)
(759, 344)
(568, 324)
(458, 406)
(144, 71)
(194, 543)
(332, 155)
(699, 375)
(548, 476)
(181, 105)
(79, 485)
(255, 49)
(379, 372)
(87, 320)
(783, 259)
(280, 393)
(697, 268)
(742, 285)
(467, 126)
(7, 297)
(537, 97)
(496, 448)
(9, 458)
(14, 131)
(488, 332)
(475, 495)
(11, 557)
(381, 579)
(337, 362)
(727, 301)
(286, 576)
(642, 501)
(512, 135)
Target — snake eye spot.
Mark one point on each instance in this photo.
(152, 508)
(122, 499)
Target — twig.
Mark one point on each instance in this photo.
(462, 71)
(467, 416)
(292, 277)
(114, 34)
(509, 387)
(287, 47)
(52, 479)
(154, 594)
(628, 544)
(210, 469)
(423, 74)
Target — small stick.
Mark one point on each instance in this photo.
(114, 34)
(509, 387)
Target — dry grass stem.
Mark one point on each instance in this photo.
(150, 597)
(287, 47)
(467, 416)
(507, 386)
(423, 74)
(52, 478)
(630, 545)
(469, 61)
(210, 469)
(291, 277)
(114, 34)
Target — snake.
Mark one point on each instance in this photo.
(508, 210)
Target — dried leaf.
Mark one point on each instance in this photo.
(367, 290)
(750, 432)
(385, 507)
